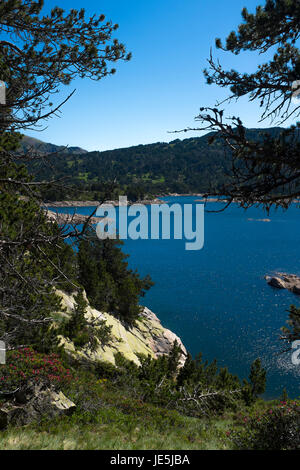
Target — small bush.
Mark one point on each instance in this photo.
(24, 364)
(277, 428)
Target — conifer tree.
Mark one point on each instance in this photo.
(256, 384)
(257, 378)
(267, 171)
(39, 54)
(110, 285)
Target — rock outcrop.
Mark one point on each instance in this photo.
(36, 400)
(290, 282)
(32, 402)
(259, 220)
(72, 219)
(148, 337)
(115, 203)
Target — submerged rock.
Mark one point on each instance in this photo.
(290, 282)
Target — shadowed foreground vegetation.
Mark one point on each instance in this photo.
(138, 408)
(115, 420)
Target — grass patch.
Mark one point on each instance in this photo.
(106, 418)
(110, 428)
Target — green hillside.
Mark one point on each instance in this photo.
(182, 166)
(32, 145)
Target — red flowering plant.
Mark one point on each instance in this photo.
(24, 364)
(276, 428)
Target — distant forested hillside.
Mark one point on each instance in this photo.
(181, 166)
(30, 144)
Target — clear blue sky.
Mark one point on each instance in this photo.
(162, 87)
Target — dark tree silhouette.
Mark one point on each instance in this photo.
(39, 54)
(265, 171)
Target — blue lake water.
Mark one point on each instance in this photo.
(216, 299)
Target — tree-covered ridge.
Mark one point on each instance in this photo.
(30, 144)
(181, 166)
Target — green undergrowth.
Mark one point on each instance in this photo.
(105, 419)
(110, 415)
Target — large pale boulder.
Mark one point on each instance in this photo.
(148, 337)
(32, 402)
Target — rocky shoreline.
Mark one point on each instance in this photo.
(97, 203)
(290, 282)
(72, 219)
(156, 200)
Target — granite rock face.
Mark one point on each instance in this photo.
(72, 219)
(290, 282)
(38, 399)
(148, 337)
